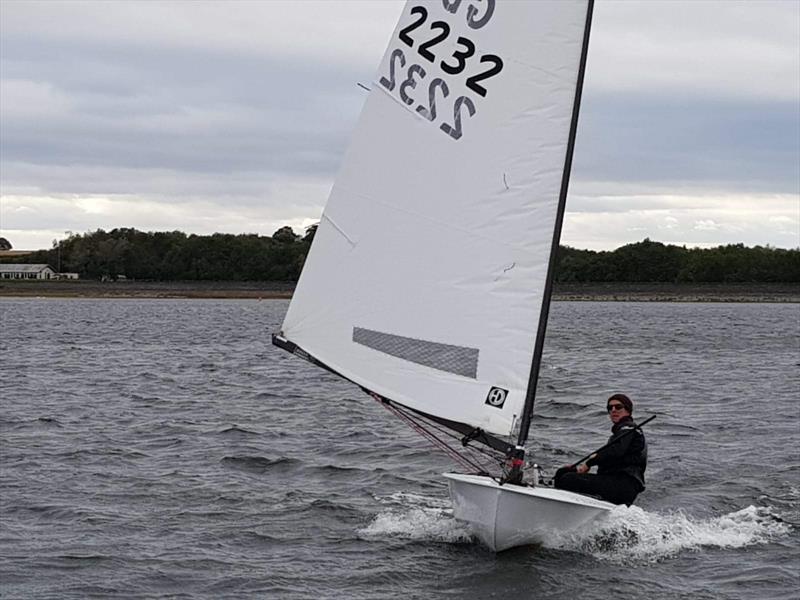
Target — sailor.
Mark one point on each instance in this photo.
(620, 465)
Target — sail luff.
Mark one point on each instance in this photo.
(530, 396)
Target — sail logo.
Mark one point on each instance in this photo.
(497, 397)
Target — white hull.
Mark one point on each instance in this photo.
(511, 515)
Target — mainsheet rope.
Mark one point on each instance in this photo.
(475, 449)
(415, 423)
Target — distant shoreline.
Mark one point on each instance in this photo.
(597, 292)
(85, 288)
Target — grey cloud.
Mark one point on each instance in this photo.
(746, 145)
(711, 49)
(242, 187)
(152, 104)
(135, 107)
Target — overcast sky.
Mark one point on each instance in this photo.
(234, 117)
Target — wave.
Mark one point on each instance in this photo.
(785, 498)
(236, 430)
(417, 518)
(628, 534)
(259, 464)
(633, 534)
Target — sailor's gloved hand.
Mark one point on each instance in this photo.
(564, 471)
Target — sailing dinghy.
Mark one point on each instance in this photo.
(429, 279)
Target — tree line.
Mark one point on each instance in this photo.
(176, 256)
(649, 261)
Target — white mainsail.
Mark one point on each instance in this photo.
(427, 273)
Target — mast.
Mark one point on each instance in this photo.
(527, 411)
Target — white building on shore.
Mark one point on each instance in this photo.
(24, 271)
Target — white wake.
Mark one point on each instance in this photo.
(631, 533)
(417, 518)
(626, 534)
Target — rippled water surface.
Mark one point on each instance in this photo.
(165, 448)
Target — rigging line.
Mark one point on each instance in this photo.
(477, 454)
(427, 435)
(483, 459)
(441, 429)
(472, 449)
(429, 423)
(485, 455)
(412, 419)
(458, 458)
(444, 431)
(461, 460)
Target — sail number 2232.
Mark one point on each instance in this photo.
(462, 63)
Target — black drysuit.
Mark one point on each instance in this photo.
(620, 468)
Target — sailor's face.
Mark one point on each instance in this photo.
(616, 411)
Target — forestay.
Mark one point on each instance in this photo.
(426, 277)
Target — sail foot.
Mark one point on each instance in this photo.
(469, 432)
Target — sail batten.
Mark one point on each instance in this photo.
(428, 275)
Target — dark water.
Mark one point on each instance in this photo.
(165, 448)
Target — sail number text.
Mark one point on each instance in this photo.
(479, 69)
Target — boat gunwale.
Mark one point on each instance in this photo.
(534, 491)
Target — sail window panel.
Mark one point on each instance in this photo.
(444, 357)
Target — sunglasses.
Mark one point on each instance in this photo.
(611, 407)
